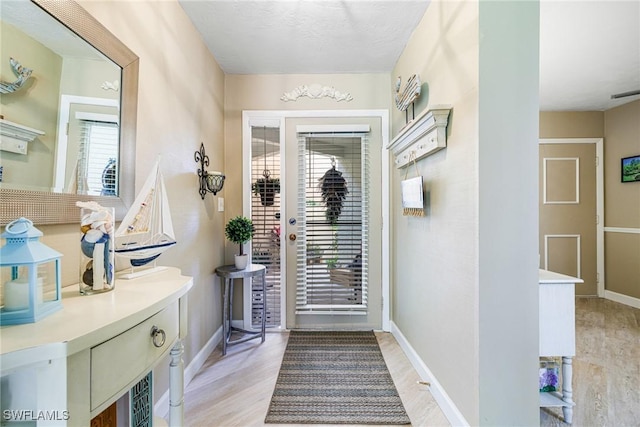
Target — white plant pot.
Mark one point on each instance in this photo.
(242, 261)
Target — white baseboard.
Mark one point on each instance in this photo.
(161, 407)
(449, 408)
(622, 299)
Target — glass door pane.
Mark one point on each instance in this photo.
(332, 251)
(265, 215)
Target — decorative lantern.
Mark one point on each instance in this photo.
(29, 274)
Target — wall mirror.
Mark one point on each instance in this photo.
(93, 87)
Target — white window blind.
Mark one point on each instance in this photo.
(97, 163)
(333, 214)
(265, 215)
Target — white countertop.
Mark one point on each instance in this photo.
(546, 276)
(88, 320)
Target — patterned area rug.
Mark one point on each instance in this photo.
(334, 378)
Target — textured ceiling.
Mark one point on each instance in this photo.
(589, 49)
(305, 37)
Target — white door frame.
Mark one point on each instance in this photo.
(273, 117)
(599, 201)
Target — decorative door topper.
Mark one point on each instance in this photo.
(316, 91)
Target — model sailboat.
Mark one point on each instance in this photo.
(146, 230)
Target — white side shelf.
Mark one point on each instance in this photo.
(15, 137)
(557, 324)
(421, 137)
(553, 399)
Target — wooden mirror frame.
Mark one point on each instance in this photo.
(60, 208)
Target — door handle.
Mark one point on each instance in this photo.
(292, 237)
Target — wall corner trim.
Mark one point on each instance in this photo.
(447, 405)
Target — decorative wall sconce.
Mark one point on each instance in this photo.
(210, 181)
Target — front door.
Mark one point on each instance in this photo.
(332, 227)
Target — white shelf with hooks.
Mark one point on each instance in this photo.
(422, 136)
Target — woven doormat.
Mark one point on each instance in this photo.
(334, 378)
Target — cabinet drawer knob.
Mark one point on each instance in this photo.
(157, 332)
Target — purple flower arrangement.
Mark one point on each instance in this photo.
(548, 376)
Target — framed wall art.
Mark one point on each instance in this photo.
(630, 169)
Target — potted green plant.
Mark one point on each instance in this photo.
(266, 188)
(240, 230)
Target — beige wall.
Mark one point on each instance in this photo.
(178, 108)
(34, 106)
(571, 124)
(435, 259)
(622, 139)
(464, 278)
(622, 201)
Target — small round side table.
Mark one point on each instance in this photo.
(229, 273)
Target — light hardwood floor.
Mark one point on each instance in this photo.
(606, 368)
(235, 390)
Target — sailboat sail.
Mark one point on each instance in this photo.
(146, 230)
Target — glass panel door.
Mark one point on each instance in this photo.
(332, 233)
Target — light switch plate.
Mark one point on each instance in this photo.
(220, 204)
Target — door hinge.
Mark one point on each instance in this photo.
(597, 278)
(67, 128)
(597, 219)
(597, 161)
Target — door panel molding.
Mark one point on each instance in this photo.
(545, 169)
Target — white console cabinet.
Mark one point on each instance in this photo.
(67, 368)
(558, 333)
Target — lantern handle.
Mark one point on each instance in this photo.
(24, 222)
